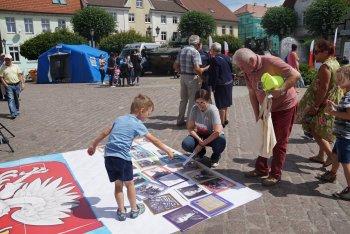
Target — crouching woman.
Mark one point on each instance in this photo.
(205, 129)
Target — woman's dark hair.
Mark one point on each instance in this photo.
(324, 45)
(202, 93)
(294, 47)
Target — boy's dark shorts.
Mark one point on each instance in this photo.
(342, 149)
(118, 169)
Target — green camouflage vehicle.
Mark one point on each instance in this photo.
(160, 61)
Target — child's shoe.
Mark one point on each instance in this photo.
(345, 194)
(140, 210)
(328, 177)
(121, 216)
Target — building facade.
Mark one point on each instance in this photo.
(20, 21)
(249, 25)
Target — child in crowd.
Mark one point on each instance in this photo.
(342, 130)
(117, 157)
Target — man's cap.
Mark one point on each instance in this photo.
(8, 56)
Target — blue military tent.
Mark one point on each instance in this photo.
(70, 64)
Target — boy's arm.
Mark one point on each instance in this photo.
(95, 143)
(159, 144)
(341, 115)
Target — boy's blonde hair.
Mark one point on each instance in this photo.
(344, 72)
(141, 101)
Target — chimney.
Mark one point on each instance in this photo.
(265, 5)
(254, 4)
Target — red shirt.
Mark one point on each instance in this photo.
(275, 67)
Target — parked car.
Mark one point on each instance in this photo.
(161, 60)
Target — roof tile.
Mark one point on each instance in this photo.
(40, 6)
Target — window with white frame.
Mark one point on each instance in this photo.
(147, 18)
(60, 2)
(223, 31)
(61, 23)
(45, 25)
(163, 36)
(175, 20)
(10, 24)
(131, 17)
(14, 52)
(231, 30)
(28, 25)
(139, 3)
(163, 19)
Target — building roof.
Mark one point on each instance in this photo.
(255, 10)
(106, 3)
(40, 6)
(168, 5)
(213, 7)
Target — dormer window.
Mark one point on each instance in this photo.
(59, 2)
(139, 3)
(211, 10)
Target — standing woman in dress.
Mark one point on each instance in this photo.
(221, 81)
(312, 105)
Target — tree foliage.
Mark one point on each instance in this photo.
(93, 18)
(32, 48)
(279, 21)
(322, 16)
(233, 42)
(197, 23)
(116, 42)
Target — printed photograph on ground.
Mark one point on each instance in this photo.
(157, 172)
(217, 185)
(191, 166)
(201, 175)
(171, 179)
(185, 217)
(162, 203)
(177, 159)
(146, 163)
(139, 179)
(149, 190)
(211, 204)
(192, 191)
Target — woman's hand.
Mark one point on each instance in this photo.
(198, 149)
(331, 107)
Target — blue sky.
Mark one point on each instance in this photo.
(235, 4)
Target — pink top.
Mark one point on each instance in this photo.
(292, 60)
(275, 67)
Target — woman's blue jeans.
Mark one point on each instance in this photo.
(218, 146)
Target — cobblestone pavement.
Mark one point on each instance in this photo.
(65, 117)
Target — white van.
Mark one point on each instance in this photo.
(139, 46)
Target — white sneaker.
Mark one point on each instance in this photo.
(113, 86)
(214, 165)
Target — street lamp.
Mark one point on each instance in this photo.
(3, 41)
(157, 30)
(92, 33)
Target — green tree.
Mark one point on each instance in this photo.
(116, 42)
(198, 23)
(32, 48)
(233, 42)
(94, 18)
(322, 16)
(279, 21)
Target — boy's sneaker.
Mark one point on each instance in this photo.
(214, 164)
(139, 211)
(121, 216)
(345, 194)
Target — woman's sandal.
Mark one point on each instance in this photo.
(328, 162)
(317, 159)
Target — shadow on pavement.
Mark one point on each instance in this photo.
(162, 126)
(164, 117)
(101, 212)
(5, 116)
(300, 141)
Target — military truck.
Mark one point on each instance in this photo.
(160, 60)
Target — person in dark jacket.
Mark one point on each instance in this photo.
(221, 81)
(136, 62)
(111, 67)
(205, 62)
